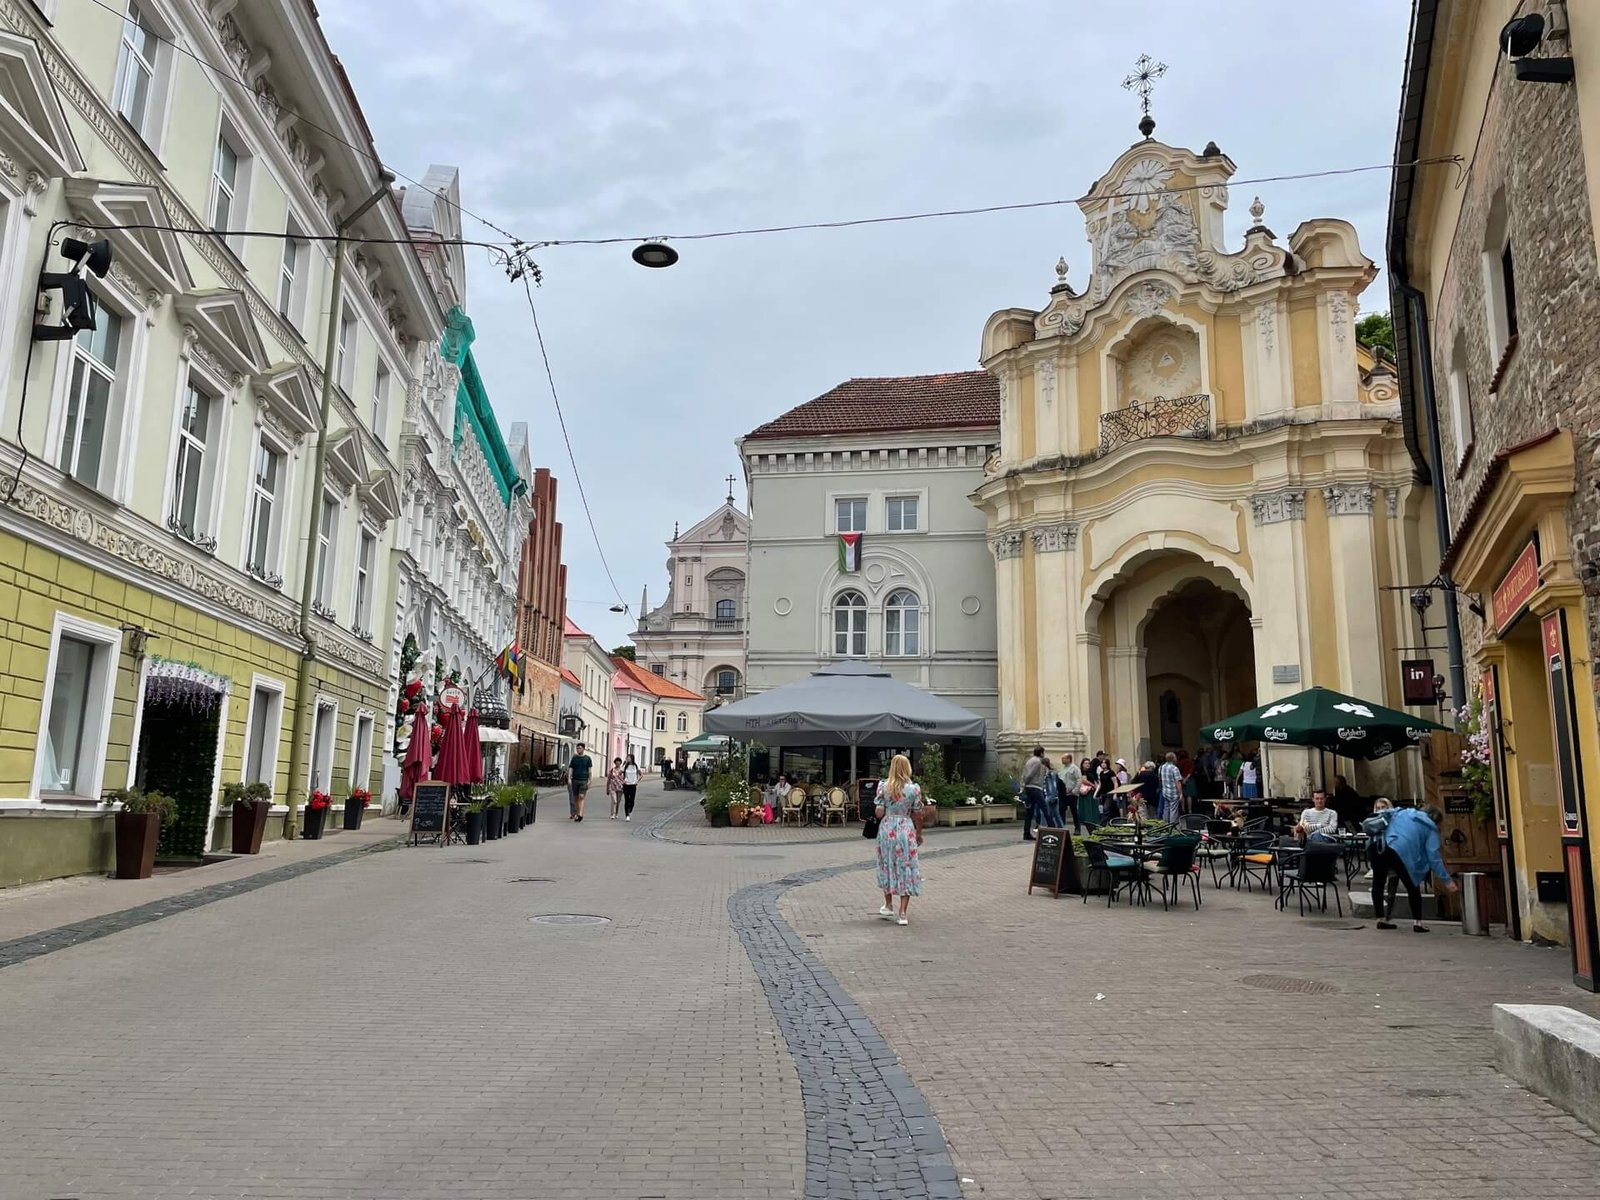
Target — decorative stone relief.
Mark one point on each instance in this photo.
(1267, 325)
(1272, 508)
(1339, 316)
(1006, 545)
(1148, 228)
(1391, 498)
(1147, 299)
(1005, 395)
(1348, 499)
(1045, 374)
(1052, 539)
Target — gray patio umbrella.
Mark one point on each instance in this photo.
(845, 704)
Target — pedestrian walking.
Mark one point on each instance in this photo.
(1411, 851)
(1171, 777)
(1052, 797)
(1070, 777)
(899, 871)
(1033, 772)
(1250, 779)
(630, 787)
(579, 768)
(1106, 792)
(614, 787)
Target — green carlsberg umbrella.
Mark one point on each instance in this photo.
(1327, 719)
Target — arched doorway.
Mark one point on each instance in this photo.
(1199, 661)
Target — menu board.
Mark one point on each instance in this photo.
(1055, 864)
(430, 808)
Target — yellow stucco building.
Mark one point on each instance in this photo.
(1202, 490)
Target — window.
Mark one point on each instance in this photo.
(1499, 281)
(344, 367)
(261, 737)
(230, 184)
(725, 610)
(191, 480)
(380, 403)
(1460, 400)
(658, 669)
(90, 390)
(850, 516)
(661, 722)
(327, 542)
(361, 753)
(850, 624)
(292, 275)
(902, 514)
(726, 682)
(76, 713)
(364, 556)
(902, 618)
(322, 746)
(138, 63)
(261, 545)
(683, 722)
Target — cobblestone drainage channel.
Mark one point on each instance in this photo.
(1291, 984)
(569, 919)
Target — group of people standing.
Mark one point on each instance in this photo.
(1098, 789)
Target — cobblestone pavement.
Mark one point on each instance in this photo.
(1071, 1051)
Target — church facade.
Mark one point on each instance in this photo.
(1202, 489)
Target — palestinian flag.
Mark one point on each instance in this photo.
(849, 552)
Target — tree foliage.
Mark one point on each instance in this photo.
(628, 652)
(1376, 332)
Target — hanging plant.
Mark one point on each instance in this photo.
(1477, 779)
(184, 685)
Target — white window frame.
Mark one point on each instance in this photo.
(294, 268)
(273, 734)
(152, 124)
(113, 444)
(1460, 395)
(96, 731)
(661, 721)
(326, 564)
(348, 347)
(380, 402)
(865, 505)
(330, 705)
(275, 537)
(902, 498)
(361, 756)
(683, 722)
(229, 134)
(853, 635)
(365, 577)
(1499, 309)
(894, 628)
(211, 451)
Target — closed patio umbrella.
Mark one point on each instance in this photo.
(418, 761)
(453, 766)
(1328, 720)
(474, 747)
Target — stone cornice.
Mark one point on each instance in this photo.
(1054, 538)
(1348, 499)
(952, 452)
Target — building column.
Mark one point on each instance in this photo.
(1007, 549)
(1357, 620)
(1283, 654)
(1057, 621)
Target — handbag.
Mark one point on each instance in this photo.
(869, 827)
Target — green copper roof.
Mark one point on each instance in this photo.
(472, 403)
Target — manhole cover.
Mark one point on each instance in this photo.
(569, 919)
(1292, 984)
(760, 857)
(530, 879)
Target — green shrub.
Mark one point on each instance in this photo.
(513, 793)
(162, 805)
(246, 793)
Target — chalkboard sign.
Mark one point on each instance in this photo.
(429, 811)
(1055, 864)
(867, 793)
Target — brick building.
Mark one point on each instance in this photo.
(541, 615)
(1496, 287)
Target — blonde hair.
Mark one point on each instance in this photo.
(899, 776)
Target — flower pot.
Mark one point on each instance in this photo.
(353, 812)
(533, 810)
(249, 823)
(514, 820)
(495, 826)
(718, 820)
(474, 828)
(737, 813)
(961, 814)
(312, 821)
(136, 844)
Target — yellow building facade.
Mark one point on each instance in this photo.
(1202, 491)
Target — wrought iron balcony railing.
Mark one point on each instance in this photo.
(1183, 416)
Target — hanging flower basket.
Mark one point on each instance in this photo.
(184, 685)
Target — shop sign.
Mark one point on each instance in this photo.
(1416, 679)
(1566, 748)
(1517, 588)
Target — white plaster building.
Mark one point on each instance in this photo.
(592, 666)
(696, 637)
(893, 460)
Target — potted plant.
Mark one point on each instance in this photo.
(138, 826)
(720, 791)
(475, 823)
(354, 806)
(316, 816)
(494, 819)
(251, 804)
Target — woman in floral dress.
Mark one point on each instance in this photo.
(899, 872)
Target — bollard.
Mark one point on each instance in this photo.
(1472, 921)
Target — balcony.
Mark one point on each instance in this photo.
(1183, 416)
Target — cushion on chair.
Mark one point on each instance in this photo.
(1260, 859)
(1118, 860)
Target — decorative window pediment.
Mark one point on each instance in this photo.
(346, 459)
(37, 126)
(380, 496)
(221, 318)
(153, 257)
(285, 391)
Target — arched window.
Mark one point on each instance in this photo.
(725, 610)
(683, 722)
(902, 623)
(850, 624)
(727, 681)
(661, 722)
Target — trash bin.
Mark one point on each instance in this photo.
(1472, 921)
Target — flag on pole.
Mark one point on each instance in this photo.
(509, 662)
(849, 552)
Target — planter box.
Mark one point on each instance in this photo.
(352, 815)
(996, 814)
(961, 814)
(494, 824)
(737, 813)
(474, 828)
(312, 821)
(136, 844)
(249, 824)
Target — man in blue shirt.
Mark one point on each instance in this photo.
(1410, 851)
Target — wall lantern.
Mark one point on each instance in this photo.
(78, 302)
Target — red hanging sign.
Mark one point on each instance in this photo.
(1517, 588)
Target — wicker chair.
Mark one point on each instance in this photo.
(794, 806)
(836, 801)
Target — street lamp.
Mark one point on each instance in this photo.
(654, 254)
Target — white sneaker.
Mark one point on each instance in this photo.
(886, 911)
(629, 817)
(613, 816)
(901, 921)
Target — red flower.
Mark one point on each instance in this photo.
(360, 796)
(318, 800)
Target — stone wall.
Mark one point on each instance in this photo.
(1531, 148)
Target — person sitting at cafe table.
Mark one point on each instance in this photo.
(1319, 822)
(1346, 801)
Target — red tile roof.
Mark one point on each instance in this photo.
(957, 400)
(571, 630)
(637, 677)
(569, 677)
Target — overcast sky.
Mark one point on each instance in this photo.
(645, 117)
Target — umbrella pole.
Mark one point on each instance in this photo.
(853, 791)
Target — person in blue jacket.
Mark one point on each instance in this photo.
(1410, 851)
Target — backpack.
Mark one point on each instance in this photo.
(1376, 827)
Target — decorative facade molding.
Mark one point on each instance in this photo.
(1272, 508)
(1052, 539)
(1147, 299)
(1391, 497)
(1348, 499)
(1006, 545)
(1045, 375)
(1339, 316)
(1267, 325)
(966, 456)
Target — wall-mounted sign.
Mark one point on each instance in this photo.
(1416, 681)
(1567, 774)
(1286, 673)
(1517, 588)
